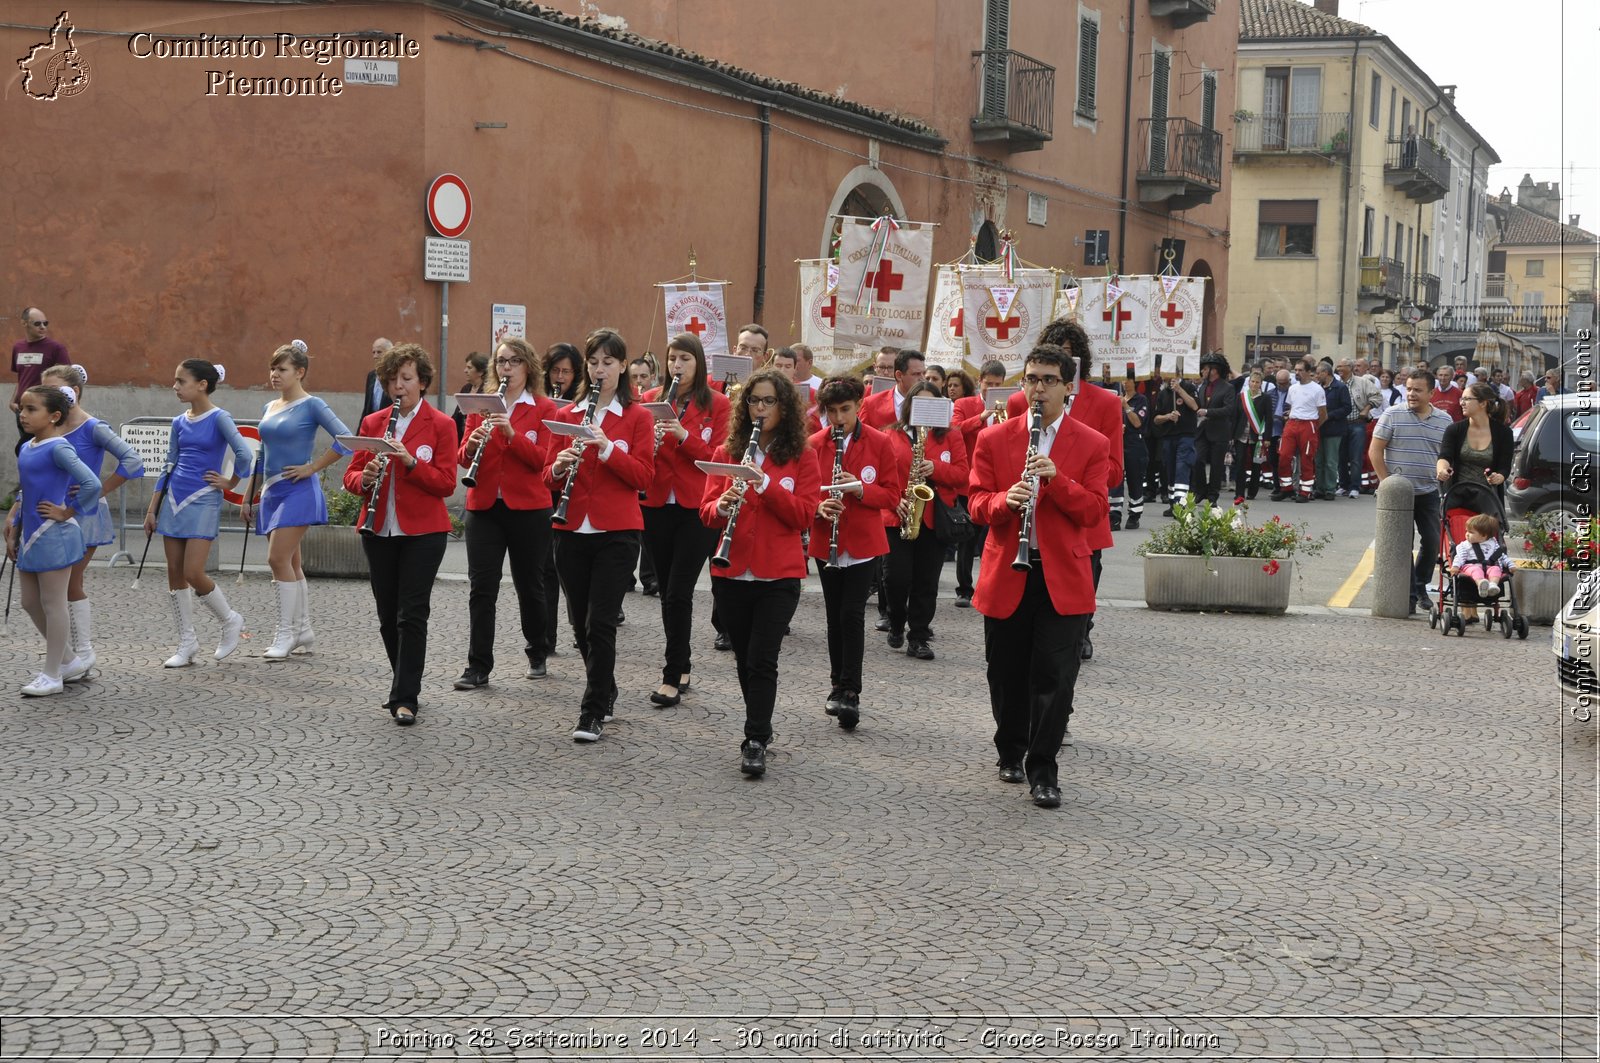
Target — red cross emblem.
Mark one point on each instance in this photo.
(955, 322)
(696, 326)
(1118, 315)
(1002, 327)
(1172, 315)
(884, 280)
(827, 311)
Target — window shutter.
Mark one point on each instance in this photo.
(1288, 212)
(1088, 63)
(1158, 112)
(1208, 102)
(996, 41)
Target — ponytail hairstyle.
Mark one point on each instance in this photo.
(200, 369)
(1487, 394)
(74, 376)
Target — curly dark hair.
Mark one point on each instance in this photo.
(1067, 333)
(926, 387)
(788, 440)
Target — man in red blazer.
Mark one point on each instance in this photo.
(1035, 620)
(883, 409)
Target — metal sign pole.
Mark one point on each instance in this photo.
(444, 337)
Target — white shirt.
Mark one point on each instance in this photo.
(1047, 439)
(391, 522)
(1304, 400)
(615, 408)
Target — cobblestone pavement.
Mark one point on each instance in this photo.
(1347, 856)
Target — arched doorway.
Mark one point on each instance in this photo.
(1208, 324)
(863, 193)
(986, 245)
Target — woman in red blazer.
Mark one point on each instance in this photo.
(915, 564)
(597, 545)
(964, 392)
(758, 589)
(508, 509)
(678, 542)
(410, 524)
(855, 522)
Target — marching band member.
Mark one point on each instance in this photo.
(1034, 621)
(563, 383)
(679, 543)
(915, 562)
(598, 545)
(44, 539)
(191, 507)
(848, 533)
(92, 438)
(882, 409)
(968, 415)
(508, 510)
(759, 588)
(404, 536)
(291, 489)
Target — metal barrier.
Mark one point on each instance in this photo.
(149, 436)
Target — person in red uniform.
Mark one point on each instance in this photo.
(673, 533)
(915, 564)
(410, 525)
(758, 589)
(869, 462)
(1093, 407)
(508, 509)
(597, 545)
(1034, 620)
(881, 410)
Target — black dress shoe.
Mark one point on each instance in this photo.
(1302, 498)
(1279, 496)
(963, 601)
(471, 680)
(722, 641)
(835, 700)
(920, 650)
(1116, 522)
(1132, 525)
(1046, 797)
(1167, 512)
(1086, 651)
(1012, 773)
(850, 711)
(896, 639)
(664, 701)
(536, 670)
(753, 759)
(651, 590)
(882, 624)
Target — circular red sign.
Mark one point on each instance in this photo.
(253, 441)
(449, 205)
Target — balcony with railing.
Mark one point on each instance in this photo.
(1423, 288)
(1383, 285)
(1537, 319)
(1277, 135)
(1183, 12)
(1016, 100)
(1417, 167)
(1495, 286)
(1180, 162)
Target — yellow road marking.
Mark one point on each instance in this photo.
(1353, 583)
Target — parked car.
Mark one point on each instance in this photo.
(1554, 467)
(1574, 641)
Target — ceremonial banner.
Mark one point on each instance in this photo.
(819, 283)
(946, 344)
(883, 287)
(1003, 318)
(1177, 311)
(1115, 312)
(698, 308)
(1067, 304)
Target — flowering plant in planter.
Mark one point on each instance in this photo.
(1212, 531)
(1551, 540)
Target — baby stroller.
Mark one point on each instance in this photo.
(1462, 502)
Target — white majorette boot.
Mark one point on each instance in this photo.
(304, 637)
(288, 618)
(232, 622)
(183, 617)
(82, 633)
(42, 686)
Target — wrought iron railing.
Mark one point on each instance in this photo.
(1475, 317)
(1017, 90)
(1383, 277)
(1423, 288)
(1321, 134)
(1413, 154)
(1177, 147)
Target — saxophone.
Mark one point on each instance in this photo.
(918, 493)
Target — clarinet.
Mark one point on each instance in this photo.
(370, 525)
(723, 558)
(560, 514)
(1023, 563)
(838, 467)
(669, 396)
(471, 478)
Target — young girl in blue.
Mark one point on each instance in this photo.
(43, 536)
(291, 495)
(92, 439)
(191, 507)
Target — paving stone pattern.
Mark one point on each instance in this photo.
(250, 860)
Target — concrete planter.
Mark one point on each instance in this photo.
(1541, 593)
(1222, 584)
(333, 551)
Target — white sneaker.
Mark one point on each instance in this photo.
(42, 686)
(1487, 589)
(76, 670)
(230, 635)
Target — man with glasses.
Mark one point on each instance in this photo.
(752, 344)
(1034, 620)
(30, 358)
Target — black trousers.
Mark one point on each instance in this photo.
(1033, 657)
(1156, 485)
(1210, 467)
(1246, 473)
(595, 570)
(552, 599)
(844, 599)
(402, 569)
(914, 567)
(972, 548)
(1133, 473)
(756, 614)
(491, 534)
(679, 544)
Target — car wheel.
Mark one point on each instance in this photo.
(1567, 514)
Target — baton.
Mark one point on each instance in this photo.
(250, 499)
(3, 559)
(161, 492)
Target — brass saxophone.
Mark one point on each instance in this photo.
(918, 493)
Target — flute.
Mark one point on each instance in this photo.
(370, 525)
(471, 478)
(723, 558)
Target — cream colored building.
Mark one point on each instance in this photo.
(1341, 147)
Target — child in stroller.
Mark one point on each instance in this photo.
(1481, 558)
(1474, 569)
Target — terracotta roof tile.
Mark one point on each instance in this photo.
(1270, 20)
(1523, 226)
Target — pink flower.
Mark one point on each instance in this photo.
(1271, 567)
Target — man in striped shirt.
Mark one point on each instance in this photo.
(1406, 444)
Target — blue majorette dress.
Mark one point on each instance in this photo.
(192, 508)
(48, 468)
(92, 440)
(288, 435)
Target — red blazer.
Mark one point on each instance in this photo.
(1099, 409)
(968, 417)
(949, 476)
(1068, 509)
(870, 459)
(515, 470)
(607, 492)
(675, 469)
(767, 540)
(418, 493)
(881, 410)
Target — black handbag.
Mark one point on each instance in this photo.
(952, 525)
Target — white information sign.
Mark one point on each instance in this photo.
(371, 72)
(149, 438)
(446, 260)
(507, 320)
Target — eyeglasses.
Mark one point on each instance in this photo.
(1045, 381)
(763, 402)
(507, 361)
(745, 348)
